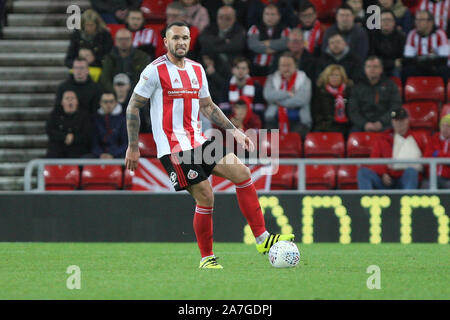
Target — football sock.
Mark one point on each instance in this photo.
(260, 239)
(249, 205)
(203, 228)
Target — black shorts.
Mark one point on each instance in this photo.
(190, 167)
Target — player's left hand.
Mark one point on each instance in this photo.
(132, 159)
(243, 140)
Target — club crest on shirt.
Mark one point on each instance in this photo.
(194, 82)
(192, 174)
(173, 178)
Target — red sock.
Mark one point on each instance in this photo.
(203, 227)
(249, 204)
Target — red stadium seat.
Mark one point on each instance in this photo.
(324, 145)
(285, 178)
(359, 144)
(347, 177)
(155, 10)
(399, 84)
(422, 115)
(326, 9)
(289, 145)
(424, 88)
(147, 145)
(113, 28)
(60, 177)
(320, 177)
(445, 110)
(128, 179)
(260, 79)
(101, 177)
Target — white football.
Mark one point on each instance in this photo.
(284, 254)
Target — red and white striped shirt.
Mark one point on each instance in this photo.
(145, 36)
(435, 43)
(440, 11)
(174, 95)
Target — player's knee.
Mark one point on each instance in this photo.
(244, 173)
(205, 197)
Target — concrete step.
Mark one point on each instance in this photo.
(36, 33)
(15, 100)
(14, 183)
(33, 46)
(34, 73)
(32, 59)
(10, 169)
(37, 20)
(22, 127)
(23, 141)
(21, 155)
(25, 114)
(28, 86)
(30, 6)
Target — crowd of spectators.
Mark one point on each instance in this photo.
(269, 63)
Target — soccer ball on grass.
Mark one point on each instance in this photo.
(284, 254)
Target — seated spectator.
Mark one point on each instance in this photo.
(94, 35)
(305, 60)
(256, 8)
(358, 11)
(88, 92)
(396, 143)
(242, 115)
(88, 54)
(224, 40)
(355, 36)
(145, 39)
(154, 11)
(330, 101)
(122, 89)
(373, 99)
(338, 52)
(69, 129)
(440, 147)
(241, 7)
(403, 17)
(110, 129)
(440, 9)
(196, 14)
(426, 50)
(313, 30)
(387, 44)
(175, 11)
(123, 59)
(288, 94)
(114, 11)
(241, 84)
(267, 39)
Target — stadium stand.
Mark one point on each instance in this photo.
(359, 144)
(285, 178)
(101, 177)
(324, 145)
(347, 177)
(424, 88)
(60, 177)
(147, 145)
(320, 177)
(423, 115)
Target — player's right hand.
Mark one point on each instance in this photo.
(132, 159)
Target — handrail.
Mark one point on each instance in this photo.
(432, 162)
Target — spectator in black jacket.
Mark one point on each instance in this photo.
(69, 129)
(114, 11)
(94, 35)
(224, 40)
(256, 8)
(88, 92)
(338, 52)
(387, 44)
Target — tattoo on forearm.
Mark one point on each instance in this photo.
(133, 120)
(216, 116)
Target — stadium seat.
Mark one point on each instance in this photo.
(326, 9)
(347, 177)
(155, 10)
(320, 177)
(399, 84)
(127, 179)
(422, 115)
(101, 177)
(445, 110)
(359, 144)
(424, 88)
(260, 79)
(324, 145)
(147, 145)
(289, 145)
(285, 178)
(60, 177)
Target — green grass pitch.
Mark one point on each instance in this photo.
(170, 271)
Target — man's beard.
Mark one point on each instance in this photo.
(176, 55)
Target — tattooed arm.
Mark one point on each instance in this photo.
(211, 111)
(133, 125)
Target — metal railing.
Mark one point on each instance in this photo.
(301, 163)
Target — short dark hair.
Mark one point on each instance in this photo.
(336, 33)
(288, 54)
(305, 6)
(80, 59)
(240, 59)
(373, 57)
(429, 14)
(388, 11)
(134, 10)
(110, 92)
(240, 102)
(344, 7)
(177, 24)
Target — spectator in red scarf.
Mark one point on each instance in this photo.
(243, 117)
(440, 147)
(330, 101)
(313, 30)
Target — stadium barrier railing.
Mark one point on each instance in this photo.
(40, 164)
